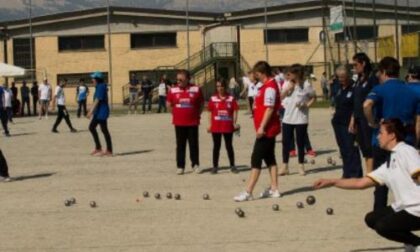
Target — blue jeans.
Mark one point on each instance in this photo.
(352, 165)
(162, 103)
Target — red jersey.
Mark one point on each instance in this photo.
(268, 96)
(186, 105)
(222, 110)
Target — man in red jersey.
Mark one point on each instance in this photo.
(186, 101)
(267, 126)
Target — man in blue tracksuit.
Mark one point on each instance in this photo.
(392, 99)
(413, 81)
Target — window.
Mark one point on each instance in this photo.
(80, 43)
(282, 36)
(408, 62)
(73, 79)
(410, 28)
(150, 40)
(362, 32)
(22, 52)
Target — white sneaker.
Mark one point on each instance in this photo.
(197, 169)
(5, 179)
(243, 196)
(417, 249)
(268, 193)
(179, 171)
(410, 248)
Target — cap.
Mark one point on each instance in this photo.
(97, 75)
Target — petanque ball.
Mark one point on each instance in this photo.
(330, 211)
(169, 195)
(177, 196)
(275, 207)
(157, 195)
(73, 200)
(310, 200)
(312, 161)
(67, 203)
(206, 196)
(145, 194)
(299, 205)
(92, 204)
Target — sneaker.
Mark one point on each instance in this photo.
(6, 134)
(293, 153)
(54, 131)
(214, 170)
(234, 170)
(179, 171)
(96, 152)
(409, 248)
(5, 179)
(284, 171)
(197, 169)
(243, 196)
(73, 130)
(107, 154)
(302, 171)
(311, 153)
(268, 193)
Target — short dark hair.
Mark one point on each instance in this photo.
(223, 82)
(298, 69)
(263, 67)
(390, 66)
(395, 126)
(363, 58)
(184, 72)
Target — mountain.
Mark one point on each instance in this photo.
(18, 9)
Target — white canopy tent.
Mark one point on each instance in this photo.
(7, 70)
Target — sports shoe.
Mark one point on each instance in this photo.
(73, 130)
(197, 169)
(268, 193)
(107, 154)
(243, 196)
(409, 248)
(179, 171)
(54, 131)
(234, 170)
(311, 153)
(96, 152)
(214, 170)
(284, 171)
(5, 179)
(292, 153)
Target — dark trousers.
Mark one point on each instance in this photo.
(364, 136)
(62, 113)
(352, 164)
(162, 103)
(25, 100)
(9, 111)
(217, 143)
(82, 106)
(308, 145)
(184, 134)
(147, 98)
(287, 134)
(4, 120)
(4, 168)
(380, 156)
(251, 103)
(35, 104)
(395, 226)
(104, 128)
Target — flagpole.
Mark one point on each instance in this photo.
(31, 42)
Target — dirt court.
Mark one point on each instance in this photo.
(52, 167)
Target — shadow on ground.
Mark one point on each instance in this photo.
(378, 249)
(34, 176)
(132, 153)
(323, 169)
(241, 168)
(23, 134)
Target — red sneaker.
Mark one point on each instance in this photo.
(311, 153)
(107, 154)
(292, 153)
(96, 152)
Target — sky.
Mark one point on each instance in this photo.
(18, 9)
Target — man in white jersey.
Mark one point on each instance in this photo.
(44, 94)
(60, 99)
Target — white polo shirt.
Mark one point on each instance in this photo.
(8, 97)
(45, 92)
(249, 85)
(292, 113)
(404, 163)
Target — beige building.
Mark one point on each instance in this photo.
(153, 42)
